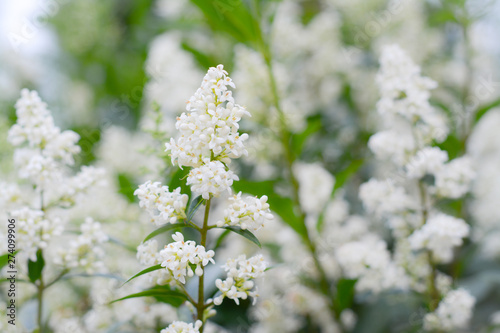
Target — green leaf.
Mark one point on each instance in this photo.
(145, 271)
(233, 18)
(122, 244)
(4, 259)
(161, 293)
(165, 228)
(35, 267)
(282, 206)
(299, 140)
(177, 180)
(484, 109)
(342, 177)
(452, 145)
(345, 294)
(245, 233)
(127, 187)
(195, 204)
(221, 238)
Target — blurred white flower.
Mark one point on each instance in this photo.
(453, 313)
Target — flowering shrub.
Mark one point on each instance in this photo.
(344, 178)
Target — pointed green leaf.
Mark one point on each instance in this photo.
(144, 271)
(165, 228)
(245, 233)
(345, 294)
(4, 259)
(162, 293)
(35, 267)
(195, 204)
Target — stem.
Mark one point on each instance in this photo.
(41, 288)
(290, 158)
(200, 306)
(433, 291)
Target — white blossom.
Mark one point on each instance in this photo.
(162, 205)
(453, 312)
(455, 178)
(182, 327)
(315, 186)
(246, 212)
(211, 179)
(176, 258)
(148, 255)
(384, 197)
(210, 129)
(429, 160)
(35, 230)
(240, 275)
(84, 251)
(440, 234)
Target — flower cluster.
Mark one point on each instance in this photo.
(440, 235)
(453, 313)
(182, 327)
(211, 126)
(47, 145)
(36, 229)
(246, 212)
(178, 257)
(162, 206)
(209, 135)
(240, 275)
(85, 251)
(148, 255)
(211, 179)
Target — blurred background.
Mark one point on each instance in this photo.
(118, 72)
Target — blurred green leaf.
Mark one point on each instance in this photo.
(35, 267)
(145, 271)
(5, 258)
(484, 109)
(245, 233)
(177, 180)
(284, 207)
(161, 293)
(452, 145)
(221, 238)
(298, 140)
(232, 17)
(127, 187)
(195, 204)
(345, 294)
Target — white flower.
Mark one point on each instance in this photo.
(148, 255)
(369, 261)
(182, 327)
(36, 127)
(315, 186)
(35, 230)
(211, 179)
(210, 129)
(163, 206)
(429, 160)
(384, 197)
(247, 212)
(405, 93)
(177, 257)
(391, 145)
(85, 251)
(453, 313)
(440, 234)
(454, 180)
(240, 273)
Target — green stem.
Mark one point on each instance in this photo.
(200, 307)
(433, 291)
(290, 159)
(41, 289)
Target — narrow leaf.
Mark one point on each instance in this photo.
(165, 228)
(5, 258)
(245, 233)
(195, 204)
(162, 293)
(144, 271)
(35, 267)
